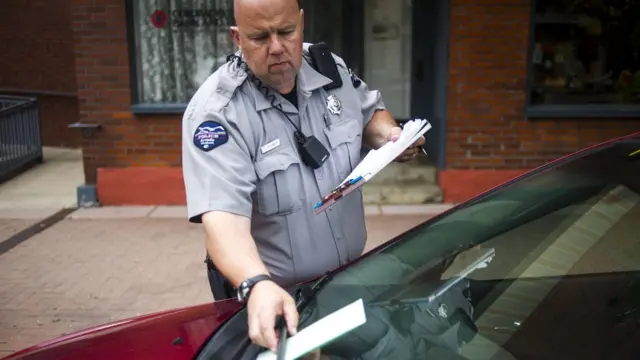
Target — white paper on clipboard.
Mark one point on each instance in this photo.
(322, 332)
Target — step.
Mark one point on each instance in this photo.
(407, 183)
(412, 172)
(401, 194)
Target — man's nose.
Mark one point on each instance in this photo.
(275, 45)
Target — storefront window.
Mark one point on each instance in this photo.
(586, 52)
(179, 43)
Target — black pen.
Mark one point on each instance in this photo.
(282, 341)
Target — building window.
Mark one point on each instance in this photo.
(178, 43)
(586, 52)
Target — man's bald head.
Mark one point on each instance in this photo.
(269, 34)
(242, 7)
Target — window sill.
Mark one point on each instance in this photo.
(164, 109)
(583, 111)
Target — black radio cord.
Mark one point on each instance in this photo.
(299, 135)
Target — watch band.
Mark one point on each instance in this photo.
(245, 287)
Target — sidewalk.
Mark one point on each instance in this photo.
(104, 264)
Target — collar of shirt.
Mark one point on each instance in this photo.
(308, 80)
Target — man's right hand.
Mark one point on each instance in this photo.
(266, 301)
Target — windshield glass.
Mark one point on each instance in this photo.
(543, 268)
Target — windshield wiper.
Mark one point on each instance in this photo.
(303, 297)
(305, 294)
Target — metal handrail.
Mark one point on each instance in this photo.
(20, 139)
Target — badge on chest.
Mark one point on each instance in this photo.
(333, 105)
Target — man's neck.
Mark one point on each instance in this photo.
(292, 96)
(288, 88)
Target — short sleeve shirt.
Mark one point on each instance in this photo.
(239, 155)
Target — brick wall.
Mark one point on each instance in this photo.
(37, 60)
(487, 128)
(102, 63)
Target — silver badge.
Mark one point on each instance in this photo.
(333, 105)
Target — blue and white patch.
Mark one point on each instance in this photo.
(210, 135)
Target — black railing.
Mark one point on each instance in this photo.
(20, 140)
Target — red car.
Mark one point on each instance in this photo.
(545, 266)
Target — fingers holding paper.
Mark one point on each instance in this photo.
(412, 151)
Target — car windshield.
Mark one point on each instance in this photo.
(545, 267)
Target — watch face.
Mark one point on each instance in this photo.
(245, 287)
(242, 291)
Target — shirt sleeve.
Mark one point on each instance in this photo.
(371, 100)
(217, 167)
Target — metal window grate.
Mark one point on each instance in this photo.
(20, 139)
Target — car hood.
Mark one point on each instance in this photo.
(173, 334)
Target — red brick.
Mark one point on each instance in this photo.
(487, 128)
(38, 60)
(488, 48)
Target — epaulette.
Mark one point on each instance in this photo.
(227, 79)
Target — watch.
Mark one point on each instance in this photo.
(245, 287)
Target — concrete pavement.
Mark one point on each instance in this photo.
(45, 188)
(106, 264)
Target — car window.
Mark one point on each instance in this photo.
(542, 268)
(515, 275)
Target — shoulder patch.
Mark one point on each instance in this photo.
(355, 80)
(209, 135)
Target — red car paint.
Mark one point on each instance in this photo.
(175, 334)
(179, 334)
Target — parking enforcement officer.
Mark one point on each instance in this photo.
(264, 138)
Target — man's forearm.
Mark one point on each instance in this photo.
(231, 246)
(377, 131)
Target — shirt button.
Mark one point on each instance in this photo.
(339, 237)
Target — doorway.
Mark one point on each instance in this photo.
(397, 47)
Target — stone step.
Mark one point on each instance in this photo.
(401, 194)
(408, 173)
(408, 183)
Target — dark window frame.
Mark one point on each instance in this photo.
(558, 112)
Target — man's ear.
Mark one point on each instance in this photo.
(235, 34)
(302, 19)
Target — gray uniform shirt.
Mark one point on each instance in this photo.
(239, 155)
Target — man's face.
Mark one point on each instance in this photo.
(270, 34)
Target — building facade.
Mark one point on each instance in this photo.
(37, 60)
(507, 84)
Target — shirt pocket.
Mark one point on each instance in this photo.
(279, 182)
(345, 139)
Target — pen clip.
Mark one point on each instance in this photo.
(326, 120)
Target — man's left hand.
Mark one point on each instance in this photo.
(412, 151)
